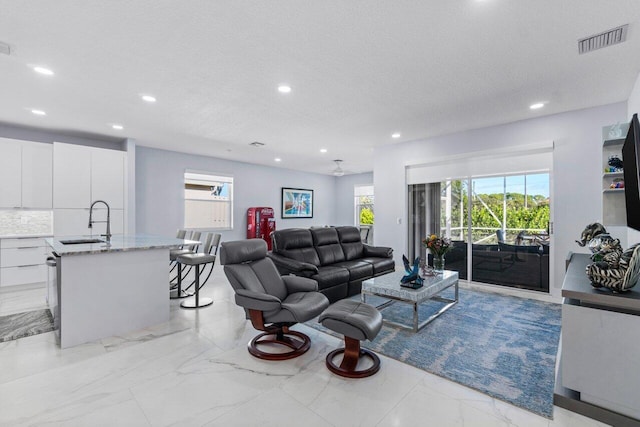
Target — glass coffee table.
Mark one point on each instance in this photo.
(388, 286)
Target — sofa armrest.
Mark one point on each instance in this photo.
(378, 251)
(257, 301)
(287, 265)
(299, 284)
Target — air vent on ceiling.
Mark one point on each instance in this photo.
(5, 48)
(257, 144)
(604, 39)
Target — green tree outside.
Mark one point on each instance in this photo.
(531, 217)
(366, 216)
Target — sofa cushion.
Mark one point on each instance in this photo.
(358, 269)
(351, 243)
(295, 243)
(380, 265)
(327, 245)
(329, 276)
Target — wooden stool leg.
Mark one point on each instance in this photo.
(352, 354)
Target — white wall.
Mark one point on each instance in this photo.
(345, 202)
(160, 191)
(576, 178)
(633, 104)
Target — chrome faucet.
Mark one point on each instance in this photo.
(108, 221)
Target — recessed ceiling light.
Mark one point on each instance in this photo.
(148, 98)
(117, 127)
(277, 159)
(284, 89)
(395, 135)
(43, 70)
(39, 112)
(323, 150)
(537, 105)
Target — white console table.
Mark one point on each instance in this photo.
(600, 349)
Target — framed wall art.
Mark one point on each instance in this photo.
(297, 203)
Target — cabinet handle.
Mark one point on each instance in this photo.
(26, 266)
(28, 247)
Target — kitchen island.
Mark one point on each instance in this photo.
(108, 288)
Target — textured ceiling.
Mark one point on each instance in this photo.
(360, 70)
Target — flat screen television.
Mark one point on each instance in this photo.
(631, 162)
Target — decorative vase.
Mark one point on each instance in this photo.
(438, 263)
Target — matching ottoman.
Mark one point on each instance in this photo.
(356, 321)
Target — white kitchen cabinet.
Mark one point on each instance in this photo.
(10, 171)
(100, 214)
(37, 174)
(71, 222)
(83, 175)
(23, 275)
(26, 174)
(22, 261)
(75, 222)
(28, 255)
(71, 176)
(107, 177)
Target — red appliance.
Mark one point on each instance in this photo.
(260, 224)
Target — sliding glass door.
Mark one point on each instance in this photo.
(504, 218)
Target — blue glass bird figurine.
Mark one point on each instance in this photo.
(412, 275)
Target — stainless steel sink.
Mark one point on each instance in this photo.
(80, 241)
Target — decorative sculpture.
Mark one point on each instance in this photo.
(612, 268)
(412, 279)
(619, 274)
(590, 231)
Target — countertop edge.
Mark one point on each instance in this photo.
(117, 244)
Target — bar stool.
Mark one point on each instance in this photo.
(174, 255)
(196, 260)
(211, 246)
(212, 241)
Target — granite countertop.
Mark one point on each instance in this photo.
(119, 243)
(24, 236)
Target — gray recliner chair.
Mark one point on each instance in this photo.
(272, 303)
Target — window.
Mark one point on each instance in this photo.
(364, 211)
(364, 204)
(498, 226)
(208, 201)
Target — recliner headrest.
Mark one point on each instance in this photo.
(291, 238)
(240, 251)
(348, 234)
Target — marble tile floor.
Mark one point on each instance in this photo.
(195, 371)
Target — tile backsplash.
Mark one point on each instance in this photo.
(18, 222)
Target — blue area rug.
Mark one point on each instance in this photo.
(500, 345)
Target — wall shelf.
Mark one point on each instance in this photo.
(613, 206)
(610, 142)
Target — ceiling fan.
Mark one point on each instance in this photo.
(338, 171)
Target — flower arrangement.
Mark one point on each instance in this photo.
(437, 245)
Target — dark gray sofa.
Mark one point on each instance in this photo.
(333, 256)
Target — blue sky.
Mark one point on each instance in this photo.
(537, 184)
